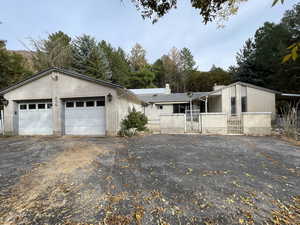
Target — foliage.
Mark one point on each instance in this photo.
(204, 81)
(12, 67)
(134, 120)
(208, 9)
(141, 79)
(137, 58)
(52, 52)
(290, 119)
(291, 20)
(174, 69)
(259, 61)
(118, 63)
(89, 58)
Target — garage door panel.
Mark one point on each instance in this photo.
(35, 121)
(85, 120)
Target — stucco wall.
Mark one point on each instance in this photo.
(56, 90)
(213, 123)
(153, 113)
(172, 123)
(257, 123)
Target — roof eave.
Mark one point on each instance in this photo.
(63, 71)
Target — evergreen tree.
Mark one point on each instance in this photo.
(89, 58)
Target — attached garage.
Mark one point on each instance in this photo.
(85, 117)
(35, 118)
(63, 102)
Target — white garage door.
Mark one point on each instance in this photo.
(35, 118)
(85, 117)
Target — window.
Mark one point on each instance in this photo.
(41, 106)
(70, 104)
(100, 103)
(32, 106)
(180, 108)
(49, 106)
(233, 105)
(79, 104)
(23, 107)
(160, 107)
(244, 104)
(90, 104)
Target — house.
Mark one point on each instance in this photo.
(62, 102)
(239, 108)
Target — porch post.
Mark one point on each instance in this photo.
(206, 104)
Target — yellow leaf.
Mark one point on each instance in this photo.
(295, 53)
(286, 58)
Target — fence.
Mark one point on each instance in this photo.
(213, 123)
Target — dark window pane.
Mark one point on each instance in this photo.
(32, 106)
(100, 103)
(244, 104)
(23, 107)
(233, 105)
(161, 107)
(70, 104)
(90, 104)
(176, 108)
(49, 106)
(79, 104)
(41, 106)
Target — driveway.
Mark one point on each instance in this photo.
(158, 179)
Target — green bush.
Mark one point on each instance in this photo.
(134, 121)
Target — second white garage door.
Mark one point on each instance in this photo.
(85, 117)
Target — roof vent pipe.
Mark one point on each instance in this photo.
(168, 90)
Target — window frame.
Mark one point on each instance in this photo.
(39, 104)
(244, 104)
(26, 107)
(100, 105)
(73, 105)
(32, 104)
(90, 106)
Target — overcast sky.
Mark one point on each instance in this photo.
(119, 23)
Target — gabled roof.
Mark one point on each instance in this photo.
(63, 71)
(243, 84)
(174, 97)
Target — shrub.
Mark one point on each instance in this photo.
(134, 121)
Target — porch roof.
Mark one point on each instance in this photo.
(174, 97)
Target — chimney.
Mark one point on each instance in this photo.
(217, 87)
(167, 89)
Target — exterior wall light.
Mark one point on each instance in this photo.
(5, 102)
(109, 97)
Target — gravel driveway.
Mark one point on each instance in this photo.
(158, 179)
